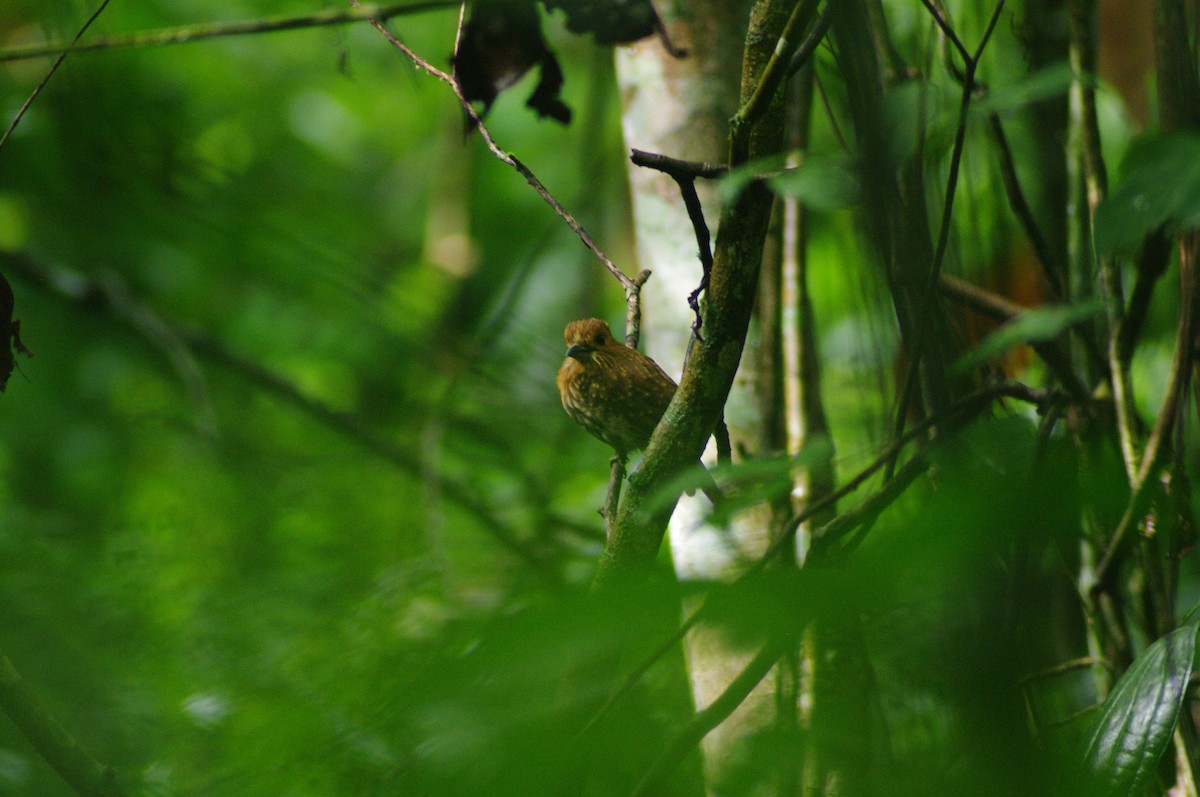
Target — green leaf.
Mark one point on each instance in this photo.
(1160, 182)
(1050, 81)
(1031, 326)
(1137, 720)
(820, 183)
(733, 183)
(745, 484)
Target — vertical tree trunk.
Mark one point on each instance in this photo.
(681, 108)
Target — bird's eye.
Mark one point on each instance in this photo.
(600, 339)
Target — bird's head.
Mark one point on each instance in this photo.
(588, 337)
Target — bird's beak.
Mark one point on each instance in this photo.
(580, 352)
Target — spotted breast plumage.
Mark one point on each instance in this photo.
(613, 391)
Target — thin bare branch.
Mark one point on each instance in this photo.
(960, 135)
(612, 498)
(49, 74)
(966, 407)
(804, 52)
(947, 31)
(629, 284)
(923, 332)
(676, 167)
(635, 675)
(1020, 207)
(1064, 667)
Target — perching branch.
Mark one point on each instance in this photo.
(708, 376)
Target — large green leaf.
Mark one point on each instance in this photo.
(1160, 182)
(1138, 718)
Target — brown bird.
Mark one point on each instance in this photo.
(613, 391)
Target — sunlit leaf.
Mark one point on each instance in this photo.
(1138, 718)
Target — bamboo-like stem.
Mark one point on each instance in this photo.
(1160, 436)
(1081, 14)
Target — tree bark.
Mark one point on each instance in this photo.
(681, 108)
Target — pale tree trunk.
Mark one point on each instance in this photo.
(681, 108)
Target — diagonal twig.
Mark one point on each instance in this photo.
(49, 74)
(629, 284)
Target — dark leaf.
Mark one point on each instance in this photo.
(500, 43)
(10, 334)
(1138, 719)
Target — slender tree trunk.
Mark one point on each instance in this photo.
(681, 108)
